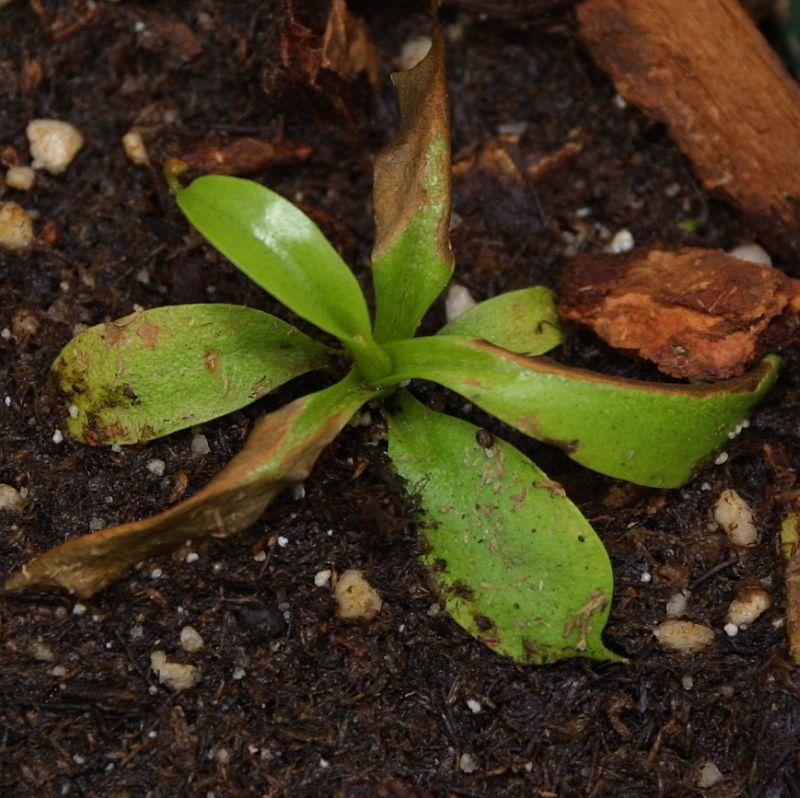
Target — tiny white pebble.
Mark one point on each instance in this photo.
(11, 498)
(53, 144)
(7, 401)
(751, 252)
(143, 276)
(474, 706)
(191, 640)
(238, 674)
(79, 609)
(192, 556)
(621, 242)
(321, 578)
(457, 302)
(734, 515)
(261, 556)
(727, 691)
(323, 763)
(414, 50)
(676, 605)
(748, 606)
(705, 486)
(687, 682)
(283, 542)
(133, 144)
(16, 227)
(620, 102)
(298, 491)
(329, 533)
(157, 467)
(646, 577)
(58, 436)
(73, 411)
(708, 775)
(731, 629)
(59, 671)
(684, 636)
(721, 458)
(467, 763)
(200, 445)
(20, 178)
(96, 523)
(156, 573)
(78, 759)
(356, 598)
(137, 632)
(116, 448)
(5, 334)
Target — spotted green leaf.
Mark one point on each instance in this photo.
(517, 564)
(412, 260)
(281, 450)
(168, 368)
(653, 434)
(278, 247)
(523, 321)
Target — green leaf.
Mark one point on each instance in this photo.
(281, 450)
(523, 321)
(282, 250)
(412, 260)
(517, 564)
(168, 368)
(653, 434)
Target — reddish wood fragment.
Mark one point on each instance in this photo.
(705, 70)
(696, 313)
(246, 155)
(171, 36)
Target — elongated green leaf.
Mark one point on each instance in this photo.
(412, 260)
(649, 433)
(282, 250)
(523, 321)
(517, 564)
(165, 369)
(281, 450)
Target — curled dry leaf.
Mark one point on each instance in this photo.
(246, 155)
(696, 313)
(344, 47)
(281, 450)
(412, 260)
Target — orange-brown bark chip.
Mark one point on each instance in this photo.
(704, 69)
(696, 313)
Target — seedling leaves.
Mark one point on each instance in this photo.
(650, 433)
(168, 368)
(281, 450)
(412, 260)
(282, 250)
(517, 564)
(523, 321)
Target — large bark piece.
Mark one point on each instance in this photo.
(696, 313)
(704, 69)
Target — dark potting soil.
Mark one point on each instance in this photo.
(292, 703)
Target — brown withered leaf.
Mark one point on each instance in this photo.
(344, 47)
(281, 450)
(246, 155)
(696, 313)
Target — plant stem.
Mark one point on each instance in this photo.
(371, 360)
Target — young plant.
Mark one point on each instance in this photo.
(516, 563)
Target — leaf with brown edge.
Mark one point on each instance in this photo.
(281, 450)
(653, 434)
(412, 260)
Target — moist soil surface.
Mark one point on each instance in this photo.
(291, 702)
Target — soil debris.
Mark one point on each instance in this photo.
(685, 637)
(176, 676)
(734, 515)
(16, 227)
(244, 156)
(54, 144)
